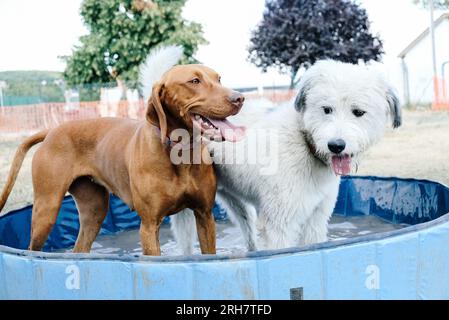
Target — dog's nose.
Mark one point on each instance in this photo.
(237, 99)
(336, 146)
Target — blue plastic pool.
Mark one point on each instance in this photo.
(409, 263)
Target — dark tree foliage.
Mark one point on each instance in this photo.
(296, 33)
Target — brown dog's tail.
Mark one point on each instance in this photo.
(17, 163)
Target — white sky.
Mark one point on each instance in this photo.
(34, 33)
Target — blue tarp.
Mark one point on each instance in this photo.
(396, 200)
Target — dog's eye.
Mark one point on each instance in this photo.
(195, 81)
(358, 113)
(219, 79)
(328, 110)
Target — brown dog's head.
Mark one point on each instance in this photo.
(192, 95)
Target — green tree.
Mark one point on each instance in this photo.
(122, 32)
(28, 87)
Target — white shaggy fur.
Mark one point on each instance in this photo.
(294, 204)
(158, 61)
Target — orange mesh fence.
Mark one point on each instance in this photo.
(275, 96)
(26, 119)
(32, 118)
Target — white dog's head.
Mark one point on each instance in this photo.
(344, 109)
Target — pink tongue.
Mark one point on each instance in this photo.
(229, 131)
(341, 165)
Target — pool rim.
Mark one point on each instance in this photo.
(261, 254)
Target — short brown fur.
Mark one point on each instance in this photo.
(91, 158)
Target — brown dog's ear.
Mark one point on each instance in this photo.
(154, 104)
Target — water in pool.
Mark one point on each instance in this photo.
(230, 240)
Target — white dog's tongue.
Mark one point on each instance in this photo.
(228, 130)
(341, 165)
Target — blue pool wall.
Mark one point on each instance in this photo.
(410, 263)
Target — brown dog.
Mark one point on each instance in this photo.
(131, 159)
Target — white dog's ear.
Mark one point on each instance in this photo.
(395, 108)
(300, 101)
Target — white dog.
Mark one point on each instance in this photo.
(341, 110)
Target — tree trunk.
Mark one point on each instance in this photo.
(293, 83)
(122, 86)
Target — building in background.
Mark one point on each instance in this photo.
(418, 88)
